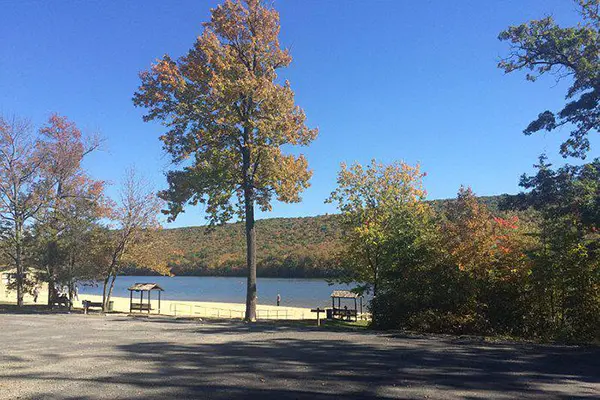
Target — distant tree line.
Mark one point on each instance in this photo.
(288, 247)
(305, 247)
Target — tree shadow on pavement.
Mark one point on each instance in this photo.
(7, 308)
(234, 327)
(272, 367)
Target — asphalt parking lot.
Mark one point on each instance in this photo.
(72, 356)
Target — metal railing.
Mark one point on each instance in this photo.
(284, 313)
(183, 309)
(180, 309)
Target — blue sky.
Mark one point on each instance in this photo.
(385, 79)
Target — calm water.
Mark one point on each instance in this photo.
(294, 292)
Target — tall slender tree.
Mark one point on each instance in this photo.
(22, 191)
(228, 116)
(39, 174)
(132, 240)
(75, 201)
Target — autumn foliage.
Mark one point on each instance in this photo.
(527, 269)
(228, 117)
(57, 219)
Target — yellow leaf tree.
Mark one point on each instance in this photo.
(373, 199)
(228, 117)
(132, 238)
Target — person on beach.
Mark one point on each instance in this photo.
(36, 293)
(278, 299)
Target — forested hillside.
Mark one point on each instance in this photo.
(287, 247)
(297, 247)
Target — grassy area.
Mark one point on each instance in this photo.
(336, 325)
(360, 324)
(11, 308)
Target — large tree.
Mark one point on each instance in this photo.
(565, 288)
(40, 175)
(228, 116)
(75, 203)
(380, 206)
(543, 47)
(23, 192)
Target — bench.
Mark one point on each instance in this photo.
(140, 307)
(87, 304)
(344, 313)
(60, 301)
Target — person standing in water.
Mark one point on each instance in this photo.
(278, 299)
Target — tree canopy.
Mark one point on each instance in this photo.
(543, 47)
(228, 116)
(379, 204)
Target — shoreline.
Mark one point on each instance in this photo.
(306, 293)
(183, 308)
(321, 278)
(201, 309)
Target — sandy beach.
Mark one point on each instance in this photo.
(203, 308)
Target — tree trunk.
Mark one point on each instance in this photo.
(104, 291)
(70, 284)
(106, 299)
(52, 293)
(70, 295)
(19, 264)
(20, 289)
(51, 286)
(51, 271)
(374, 314)
(251, 297)
(70, 280)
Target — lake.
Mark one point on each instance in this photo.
(294, 292)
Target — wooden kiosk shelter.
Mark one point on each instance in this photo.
(141, 288)
(345, 313)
